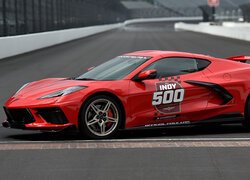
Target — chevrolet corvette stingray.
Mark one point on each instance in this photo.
(144, 89)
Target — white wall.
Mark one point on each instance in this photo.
(14, 45)
(164, 19)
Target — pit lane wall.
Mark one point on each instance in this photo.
(233, 30)
(15, 45)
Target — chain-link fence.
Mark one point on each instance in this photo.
(31, 16)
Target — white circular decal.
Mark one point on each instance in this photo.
(168, 97)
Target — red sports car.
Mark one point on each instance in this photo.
(142, 89)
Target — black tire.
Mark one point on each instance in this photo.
(246, 121)
(93, 112)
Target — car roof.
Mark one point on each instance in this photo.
(157, 53)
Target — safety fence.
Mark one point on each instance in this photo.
(31, 16)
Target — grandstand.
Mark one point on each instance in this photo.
(191, 7)
(168, 8)
(143, 9)
(137, 5)
(246, 11)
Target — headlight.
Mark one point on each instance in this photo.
(22, 88)
(63, 92)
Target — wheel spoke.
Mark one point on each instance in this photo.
(106, 108)
(96, 109)
(101, 117)
(92, 121)
(111, 119)
(103, 127)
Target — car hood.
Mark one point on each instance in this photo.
(46, 86)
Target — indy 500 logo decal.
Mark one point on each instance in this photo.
(168, 97)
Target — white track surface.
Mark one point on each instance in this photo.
(233, 30)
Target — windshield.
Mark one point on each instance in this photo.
(114, 69)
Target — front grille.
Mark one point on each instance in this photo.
(52, 115)
(19, 117)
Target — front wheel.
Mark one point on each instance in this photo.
(100, 117)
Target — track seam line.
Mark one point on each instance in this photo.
(128, 145)
(128, 140)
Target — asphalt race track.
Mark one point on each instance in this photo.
(214, 152)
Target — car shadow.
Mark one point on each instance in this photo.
(222, 131)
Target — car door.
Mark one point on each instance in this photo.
(168, 99)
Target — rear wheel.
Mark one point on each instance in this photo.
(100, 117)
(246, 122)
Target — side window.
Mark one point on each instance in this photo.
(177, 66)
(202, 64)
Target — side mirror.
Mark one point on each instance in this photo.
(148, 74)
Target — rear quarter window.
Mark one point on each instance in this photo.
(202, 64)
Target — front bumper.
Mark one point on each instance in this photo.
(49, 118)
(37, 126)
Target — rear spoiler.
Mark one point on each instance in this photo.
(239, 58)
